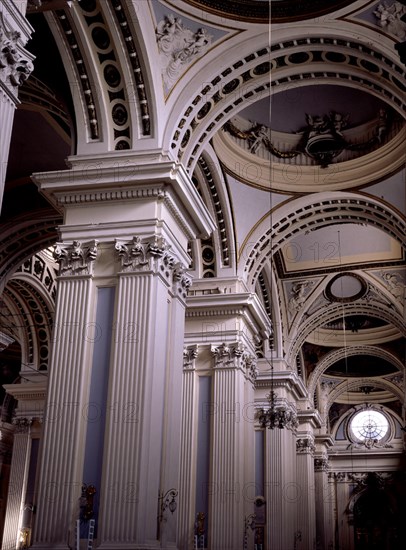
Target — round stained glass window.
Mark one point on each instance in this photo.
(369, 424)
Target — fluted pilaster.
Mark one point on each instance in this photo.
(324, 503)
(306, 512)
(173, 403)
(227, 509)
(187, 450)
(17, 484)
(134, 427)
(60, 474)
(281, 488)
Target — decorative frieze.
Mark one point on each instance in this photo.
(361, 479)
(76, 258)
(189, 356)
(305, 445)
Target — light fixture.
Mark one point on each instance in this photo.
(277, 416)
(167, 500)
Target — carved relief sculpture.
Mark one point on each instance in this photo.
(322, 139)
(15, 67)
(391, 18)
(178, 46)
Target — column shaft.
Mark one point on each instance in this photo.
(281, 487)
(227, 510)
(172, 418)
(306, 512)
(187, 458)
(323, 510)
(133, 442)
(60, 473)
(16, 490)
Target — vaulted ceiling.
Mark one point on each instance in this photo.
(295, 139)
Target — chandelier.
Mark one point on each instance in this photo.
(277, 416)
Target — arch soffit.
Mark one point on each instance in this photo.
(347, 386)
(337, 354)
(308, 213)
(223, 91)
(97, 114)
(334, 312)
(26, 238)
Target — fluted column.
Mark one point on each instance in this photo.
(15, 67)
(281, 490)
(187, 450)
(134, 425)
(226, 521)
(171, 470)
(60, 473)
(323, 503)
(306, 512)
(17, 484)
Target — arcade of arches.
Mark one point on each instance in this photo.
(202, 274)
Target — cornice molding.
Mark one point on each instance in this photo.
(118, 177)
(230, 304)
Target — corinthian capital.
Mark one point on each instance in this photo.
(22, 425)
(15, 62)
(189, 356)
(181, 281)
(146, 254)
(75, 258)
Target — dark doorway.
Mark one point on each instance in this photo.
(376, 519)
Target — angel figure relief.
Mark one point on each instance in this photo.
(178, 46)
(392, 18)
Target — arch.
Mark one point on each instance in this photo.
(341, 353)
(336, 311)
(349, 385)
(23, 237)
(223, 93)
(307, 213)
(354, 46)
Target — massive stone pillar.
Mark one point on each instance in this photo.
(25, 431)
(218, 430)
(134, 221)
(15, 67)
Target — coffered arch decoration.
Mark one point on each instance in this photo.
(212, 179)
(338, 354)
(293, 217)
(354, 385)
(224, 94)
(377, 310)
(24, 237)
(109, 85)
